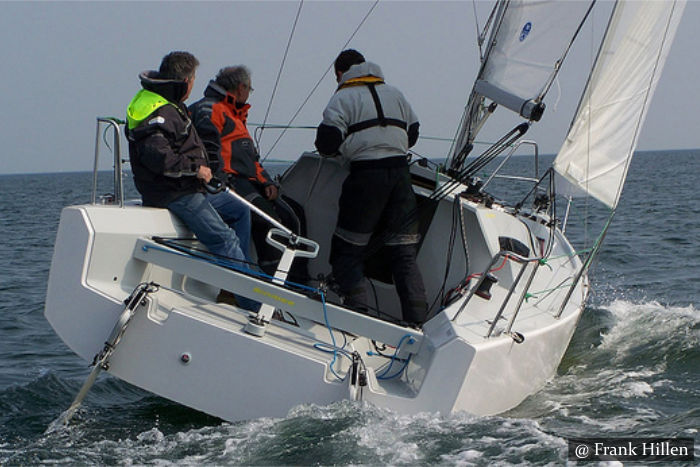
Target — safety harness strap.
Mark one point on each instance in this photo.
(381, 119)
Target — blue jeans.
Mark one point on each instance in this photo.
(236, 215)
(203, 220)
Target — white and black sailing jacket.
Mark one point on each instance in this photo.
(366, 119)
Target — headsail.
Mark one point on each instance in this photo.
(596, 154)
(528, 42)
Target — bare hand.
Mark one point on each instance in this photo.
(271, 192)
(204, 173)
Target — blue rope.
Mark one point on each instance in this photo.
(334, 348)
(211, 259)
(232, 265)
(394, 359)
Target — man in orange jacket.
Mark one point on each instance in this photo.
(220, 118)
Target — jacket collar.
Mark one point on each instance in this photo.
(362, 70)
(215, 91)
(170, 89)
(360, 81)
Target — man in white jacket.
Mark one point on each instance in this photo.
(371, 125)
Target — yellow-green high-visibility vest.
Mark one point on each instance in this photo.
(143, 104)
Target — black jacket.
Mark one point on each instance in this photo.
(164, 149)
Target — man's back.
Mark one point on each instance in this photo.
(374, 117)
(164, 150)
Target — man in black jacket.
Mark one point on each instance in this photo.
(169, 161)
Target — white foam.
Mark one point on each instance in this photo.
(648, 326)
(628, 421)
(650, 322)
(637, 389)
(462, 458)
(154, 435)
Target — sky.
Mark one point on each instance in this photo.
(65, 63)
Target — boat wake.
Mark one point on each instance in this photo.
(342, 433)
(623, 353)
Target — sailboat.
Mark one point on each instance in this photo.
(132, 291)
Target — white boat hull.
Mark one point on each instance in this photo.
(185, 347)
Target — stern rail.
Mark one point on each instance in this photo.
(118, 195)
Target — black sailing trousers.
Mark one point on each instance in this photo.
(377, 203)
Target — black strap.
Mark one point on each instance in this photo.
(376, 122)
(377, 104)
(381, 119)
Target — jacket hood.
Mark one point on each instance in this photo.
(362, 69)
(214, 90)
(171, 89)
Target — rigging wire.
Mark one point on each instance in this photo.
(441, 293)
(318, 83)
(557, 65)
(279, 75)
(478, 29)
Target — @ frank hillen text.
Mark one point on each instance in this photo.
(632, 449)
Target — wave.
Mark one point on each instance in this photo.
(631, 370)
(631, 365)
(344, 433)
(650, 332)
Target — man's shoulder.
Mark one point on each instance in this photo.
(389, 88)
(170, 113)
(203, 104)
(167, 118)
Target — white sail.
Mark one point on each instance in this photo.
(532, 38)
(596, 154)
(528, 42)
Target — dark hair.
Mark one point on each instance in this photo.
(178, 66)
(231, 77)
(346, 59)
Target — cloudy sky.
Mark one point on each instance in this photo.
(65, 63)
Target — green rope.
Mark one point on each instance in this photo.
(589, 259)
(544, 261)
(529, 295)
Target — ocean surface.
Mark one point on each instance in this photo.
(632, 369)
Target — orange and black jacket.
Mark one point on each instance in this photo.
(221, 123)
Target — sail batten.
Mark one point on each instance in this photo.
(595, 156)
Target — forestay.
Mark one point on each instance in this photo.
(596, 154)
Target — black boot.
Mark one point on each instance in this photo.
(409, 284)
(356, 299)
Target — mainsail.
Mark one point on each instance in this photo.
(529, 40)
(596, 154)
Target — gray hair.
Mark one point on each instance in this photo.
(231, 77)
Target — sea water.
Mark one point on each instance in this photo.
(632, 369)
